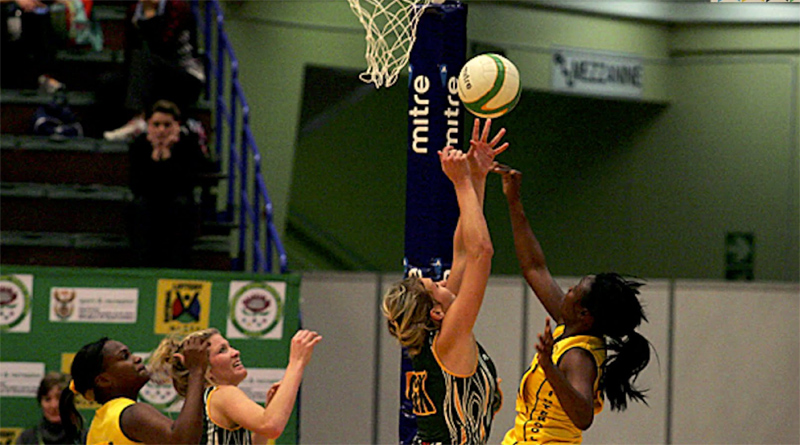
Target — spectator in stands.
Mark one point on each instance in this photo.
(165, 164)
(161, 62)
(49, 430)
(29, 49)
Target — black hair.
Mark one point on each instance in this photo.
(613, 302)
(86, 366)
(165, 106)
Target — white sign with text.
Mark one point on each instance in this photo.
(597, 73)
(93, 305)
(20, 379)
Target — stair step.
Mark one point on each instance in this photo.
(76, 161)
(64, 207)
(218, 228)
(109, 11)
(93, 208)
(19, 108)
(97, 250)
(107, 56)
(82, 69)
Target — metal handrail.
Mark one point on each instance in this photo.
(241, 148)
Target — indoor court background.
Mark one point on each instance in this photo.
(647, 187)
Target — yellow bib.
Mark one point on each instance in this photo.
(105, 427)
(540, 418)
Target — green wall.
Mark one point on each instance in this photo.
(647, 187)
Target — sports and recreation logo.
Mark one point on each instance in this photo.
(160, 394)
(256, 309)
(182, 306)
(162, 397)
(15, 303)
(64, 306)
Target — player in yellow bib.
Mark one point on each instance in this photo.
(107, 372)
(593, 353)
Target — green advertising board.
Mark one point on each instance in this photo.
(47, 314)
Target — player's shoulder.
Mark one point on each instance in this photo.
(226, 392)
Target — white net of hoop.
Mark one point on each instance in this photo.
(391, 30)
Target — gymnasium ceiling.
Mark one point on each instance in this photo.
(681, 11)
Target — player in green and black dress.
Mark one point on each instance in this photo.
(454, 383)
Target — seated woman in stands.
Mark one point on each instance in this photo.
(165, 164)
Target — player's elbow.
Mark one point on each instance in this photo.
(270, 430)
(270, 433)
(484, 249)
(584, 424)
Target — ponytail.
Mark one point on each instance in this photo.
(613, 302)
(86, 366)
(630, 355)
(71, 419)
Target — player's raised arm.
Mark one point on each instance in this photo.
(455, 338)
(480, 156)
(529, 251)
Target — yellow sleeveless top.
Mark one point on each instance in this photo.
(105, 429)
(540, 418)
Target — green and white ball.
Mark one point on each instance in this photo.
(488, 85)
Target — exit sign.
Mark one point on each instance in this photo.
(739, 255)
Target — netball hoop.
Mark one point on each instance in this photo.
(391, 31)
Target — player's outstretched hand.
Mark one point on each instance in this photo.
(482, 151)
(512, 180)
(454, 164)
(302, 347)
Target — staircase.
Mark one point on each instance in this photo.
(63, 200)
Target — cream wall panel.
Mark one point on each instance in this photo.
(500, 330)
(389, 389)
(351, 390)
(337, 396)
(736, 363)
